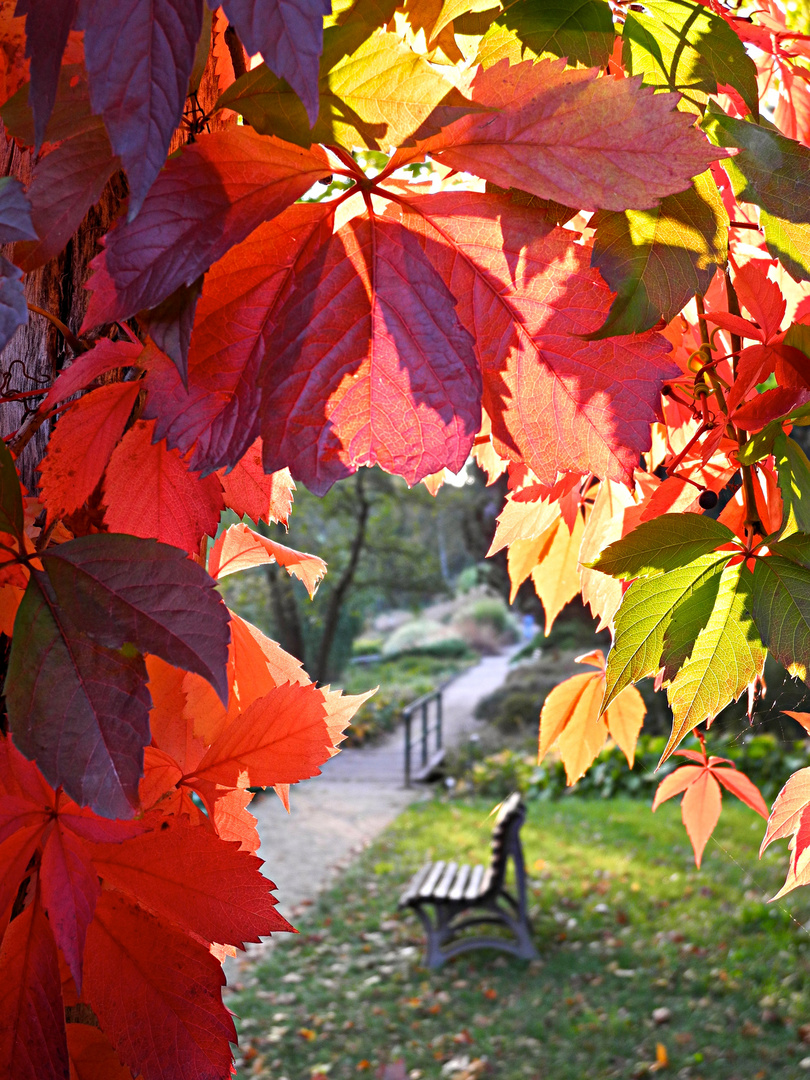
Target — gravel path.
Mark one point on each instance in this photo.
(360, 792)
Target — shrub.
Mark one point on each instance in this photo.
(765, 760)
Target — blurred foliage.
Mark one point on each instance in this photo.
(765, 759)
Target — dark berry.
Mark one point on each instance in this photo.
(708, 499)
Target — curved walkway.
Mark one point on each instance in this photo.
(360, 792)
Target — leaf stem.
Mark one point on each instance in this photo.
(75, 343)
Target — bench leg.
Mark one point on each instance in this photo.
(442, 937)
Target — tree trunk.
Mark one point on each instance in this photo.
(286, 617)
(338, 595)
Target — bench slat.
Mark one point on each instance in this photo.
(432, 880)
(457, 892)
(475, 882)
(414, 885)
(442, 889)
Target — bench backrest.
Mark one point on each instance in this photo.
(505, 840)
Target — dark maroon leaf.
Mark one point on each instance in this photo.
(208, 198)
(289, 35)
(66, 183)
(370, 364)
(78, 709)
(15, 212)
(47, 25)
(13, 305)
(139, 56)
(124, 589)
(170, 324)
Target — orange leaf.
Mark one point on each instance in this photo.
(746, 791)
(281, 738)
(81, 445)
(148, 491)
(571, 718)
(239, 548)
(556, 578)
(172, 730)
(676, 783)
(10, 598)
(624, 718)
(788, 808)
(249, 490)
(523, 519)
(802, 718)
(700, 810)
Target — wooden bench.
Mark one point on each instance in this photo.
(465, 896)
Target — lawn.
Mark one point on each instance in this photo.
(625, 927)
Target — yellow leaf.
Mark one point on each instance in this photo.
(570, 717)
(524, 555)
(605, 524)
(556, 578)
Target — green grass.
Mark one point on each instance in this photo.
(624, 925)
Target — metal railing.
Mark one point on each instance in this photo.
(420, 709)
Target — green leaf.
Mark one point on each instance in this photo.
(789, 242)
(683, 46)
(642, 620)
(726, 658)
(380, 95)
(771, 171)
(665, 543)
(796, 548)
(656, 260)
(794, 483)
(11, 506)
(760, 444)
(781, 605)
(692, 615)
(580, 30)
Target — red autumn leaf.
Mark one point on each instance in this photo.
(216, 417)
(47, 26)
(149, 492)
(140, 114)
(105, 356)
(702, 801)
(81, 445)
(567, 135)
(802, 718)
(177, 872)
(248, 489)
(760, 296)
(281, 738)
(33, 1043)
(239, 548)
(768, 406)
(370, 363)
(531, 294)
(66, 183)
(172, 731)
(205, 200)
(137, 974)
(70, 890)
(289, 35)
(92, 1055)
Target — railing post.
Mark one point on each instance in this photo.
(407, 718)
(424, 733)
(439, 720)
